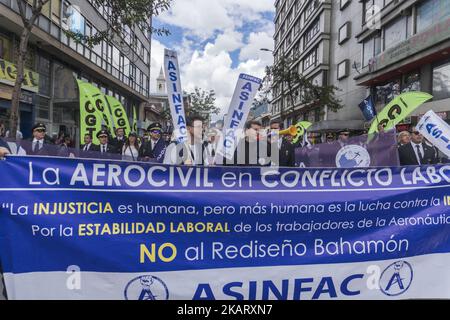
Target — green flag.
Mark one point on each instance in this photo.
(99, 101)
(398, 109)
(90, 117)
(119, 114)
(134, 120)
(301, 126)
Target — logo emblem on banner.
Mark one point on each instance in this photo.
(396, 278)
(352, 156)
(146, 287)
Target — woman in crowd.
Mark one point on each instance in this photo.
(130, 150)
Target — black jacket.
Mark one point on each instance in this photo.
(287, 154)
(157, 153)
(111, 152)
(4, 144)
(408, 156)
(46, 150)
(118, 144)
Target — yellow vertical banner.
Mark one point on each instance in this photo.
(119, 114)
(102, 106)
(134, 120)
(90, 117)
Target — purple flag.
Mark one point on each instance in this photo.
(357, 151)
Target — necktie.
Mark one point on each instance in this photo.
(419, 154)
(85, 147)
(103, 148)
(34, 146)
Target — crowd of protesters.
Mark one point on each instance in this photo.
(255, 148)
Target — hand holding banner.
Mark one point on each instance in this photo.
(436, 130)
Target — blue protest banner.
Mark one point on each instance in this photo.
(92, 229)
(368, 108)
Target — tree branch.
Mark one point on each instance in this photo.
(23, 13)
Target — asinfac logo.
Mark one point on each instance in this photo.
(352, 156)
(146, 287)
(396, 278)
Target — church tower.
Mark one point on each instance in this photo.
(161, 83)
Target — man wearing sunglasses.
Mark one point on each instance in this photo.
(416, 152)
(154, 149)
(37, 146)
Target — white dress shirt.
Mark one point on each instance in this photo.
(419, 158)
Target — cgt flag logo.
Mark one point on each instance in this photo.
(396, 278)
(146, 287)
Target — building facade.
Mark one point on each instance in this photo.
(302, 30)
(119, 68)
(407, 50)
(377, 47)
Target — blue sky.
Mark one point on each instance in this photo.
(216, 40)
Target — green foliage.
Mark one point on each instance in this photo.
(284, 74)
(124, 15)
(202, 103)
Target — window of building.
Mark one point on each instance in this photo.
(371, 48)
(344, 33)
(312, 31)
(56, 10)
(45, 11)
(310, 60)
(396, 32)
(310, 8)
(42, 108)
(371, 8)
(441, 81)
(43, 68)
(87, 50)
(411, 82)
(430, 12)
(5, 48)
(387, 92)
(343, 69)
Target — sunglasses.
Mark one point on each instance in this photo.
(40, 130)
(103, 137)
(416, 133)
(156, 131)
(345, 134)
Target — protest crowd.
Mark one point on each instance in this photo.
(255, 146)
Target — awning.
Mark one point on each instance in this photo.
(336, 125)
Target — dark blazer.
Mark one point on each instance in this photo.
(111, 152)
(4, 144)
(156, 154)
(252, 155)
(408, 156)
(118, 144)
(87, 153)
(287, 154)
(46, 150)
